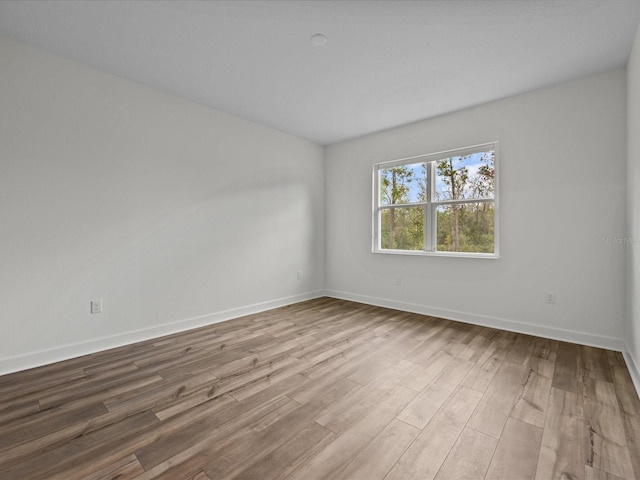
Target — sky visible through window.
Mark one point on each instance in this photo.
(472, 163)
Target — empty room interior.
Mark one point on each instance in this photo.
(320, 240)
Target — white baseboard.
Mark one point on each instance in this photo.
(66, 352)
(553, 333)
(632, 366)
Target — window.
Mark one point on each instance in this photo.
(443, 203)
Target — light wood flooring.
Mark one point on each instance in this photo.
(326, 389)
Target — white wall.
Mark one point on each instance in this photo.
(562, 192)
(632, 336)
(166, 210)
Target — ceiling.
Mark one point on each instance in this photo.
(386, 63)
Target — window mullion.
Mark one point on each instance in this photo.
(463, 201)
(428, 211)
(376, 210)
(433, 208)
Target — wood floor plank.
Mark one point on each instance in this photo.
(334, 358)
(231, 461)
(18, 412)
(101, 384)
(190, 458)
(513, 457)
(562, 451)
(591, 473)
(497, 403)
(423, 353)
(425, 405)
(521, 350)
(237, 383)
(127, 467)
(157, 394)
(290, 455)
(25, 387)
(350, 408)
(621, 374)
(367, 367)
(596, 364)
(469, 458)
(543, 357)
(84, 452)
(634, 452)
(200, 476)
(606, 442)
(569, 371)
(35, 429)
(629, 408)
(485, 369)
(421, 377)
(190, 437)
(531, 405)
(325, 391)
(377, 458)
(477, 346)
(330, 460)
(456, 370)
(616, 358)
(437, 438)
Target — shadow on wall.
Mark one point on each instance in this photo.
(241, 245)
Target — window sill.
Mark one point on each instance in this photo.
(421, 253)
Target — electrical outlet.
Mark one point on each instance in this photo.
(299, 275)
(96, 306)
(550, 298)
(397, 281)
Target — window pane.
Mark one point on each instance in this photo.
(403, 184)
(467, 177)
(466, 228)
(402, 228)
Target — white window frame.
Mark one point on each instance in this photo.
(431, 205)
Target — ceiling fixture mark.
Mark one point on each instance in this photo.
(318, 40)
